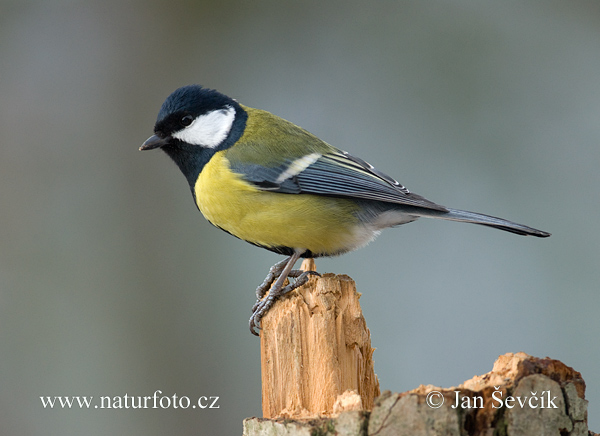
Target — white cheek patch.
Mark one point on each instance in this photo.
(297, 166)
(208, 130)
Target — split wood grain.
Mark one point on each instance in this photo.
(315, 346)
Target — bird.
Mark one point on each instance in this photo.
(273, 184)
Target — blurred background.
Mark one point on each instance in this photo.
(112, 283)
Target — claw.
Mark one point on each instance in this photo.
(275, 279)
(254, 324)
(274, 272)
(301, 279)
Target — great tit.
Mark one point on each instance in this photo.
(277, 186)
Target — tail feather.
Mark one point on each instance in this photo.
(485, 220)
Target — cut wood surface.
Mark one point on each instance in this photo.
(316, 354)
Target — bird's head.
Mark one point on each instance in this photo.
(193, 123)
(196, 116)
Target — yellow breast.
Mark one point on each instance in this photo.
(324, 225)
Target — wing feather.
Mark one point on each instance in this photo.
(336, 174)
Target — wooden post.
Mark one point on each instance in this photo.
(316, 354)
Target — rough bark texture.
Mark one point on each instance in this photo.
(315, 346)
(547, 398)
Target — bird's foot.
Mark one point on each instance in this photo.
(274, 273)
(300, 278)
(278, 274)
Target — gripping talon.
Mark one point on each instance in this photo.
(275, 279)
(296, 273)
(274, 273)
(301, 279)
(253, 325)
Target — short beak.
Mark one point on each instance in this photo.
(155, 142)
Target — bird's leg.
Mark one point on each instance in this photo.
(274, 272)
(263, 305)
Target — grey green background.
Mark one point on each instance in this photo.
(111, 282)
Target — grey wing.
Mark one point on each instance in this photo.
(336, 174)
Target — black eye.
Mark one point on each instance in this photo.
(186, 120)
